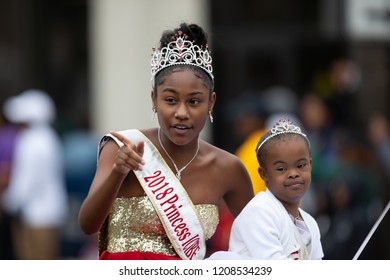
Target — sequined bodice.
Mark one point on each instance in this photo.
(134, 226)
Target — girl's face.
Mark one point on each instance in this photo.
(183, 103)
(287, 170)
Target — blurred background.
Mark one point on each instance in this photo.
(324, 63)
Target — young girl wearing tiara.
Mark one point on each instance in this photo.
(156, 191)
(272, 225)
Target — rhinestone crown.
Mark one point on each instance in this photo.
(181, 51)
(281, 127)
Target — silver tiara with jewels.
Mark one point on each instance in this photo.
(283, 126)
(181, 51)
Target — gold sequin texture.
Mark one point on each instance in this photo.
(135, 226)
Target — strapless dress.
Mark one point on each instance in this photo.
(133, 225)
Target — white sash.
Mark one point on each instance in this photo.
(170, 200)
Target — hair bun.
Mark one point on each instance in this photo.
(194, 32)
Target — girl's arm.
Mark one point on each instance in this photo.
(113, 166)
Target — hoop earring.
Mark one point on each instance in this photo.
(211, 117)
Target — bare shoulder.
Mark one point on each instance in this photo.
(230, 177)
(222, 156)
(225, 162)
(149, 132)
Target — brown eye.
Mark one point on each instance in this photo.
(194, 101)
(302, 165)
(170, 100)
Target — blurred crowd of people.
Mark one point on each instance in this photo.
(350, 176)
(41, 181)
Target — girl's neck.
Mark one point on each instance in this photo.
(292, 209)
(179, 151)
(178, 154)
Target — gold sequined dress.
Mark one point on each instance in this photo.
(133, 225)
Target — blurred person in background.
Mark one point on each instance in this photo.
(248, 117)
(36, 196)
(345, 180)
(338, 86)
(378, 132)
(379, 136)
(353, 186)
(80, 164)
(316, 118)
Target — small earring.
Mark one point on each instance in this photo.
(211, 117)
(154, 114)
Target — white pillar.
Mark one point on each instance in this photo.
(122, 34)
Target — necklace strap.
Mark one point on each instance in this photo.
(178, 171)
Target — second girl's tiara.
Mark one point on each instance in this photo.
(281, 127)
